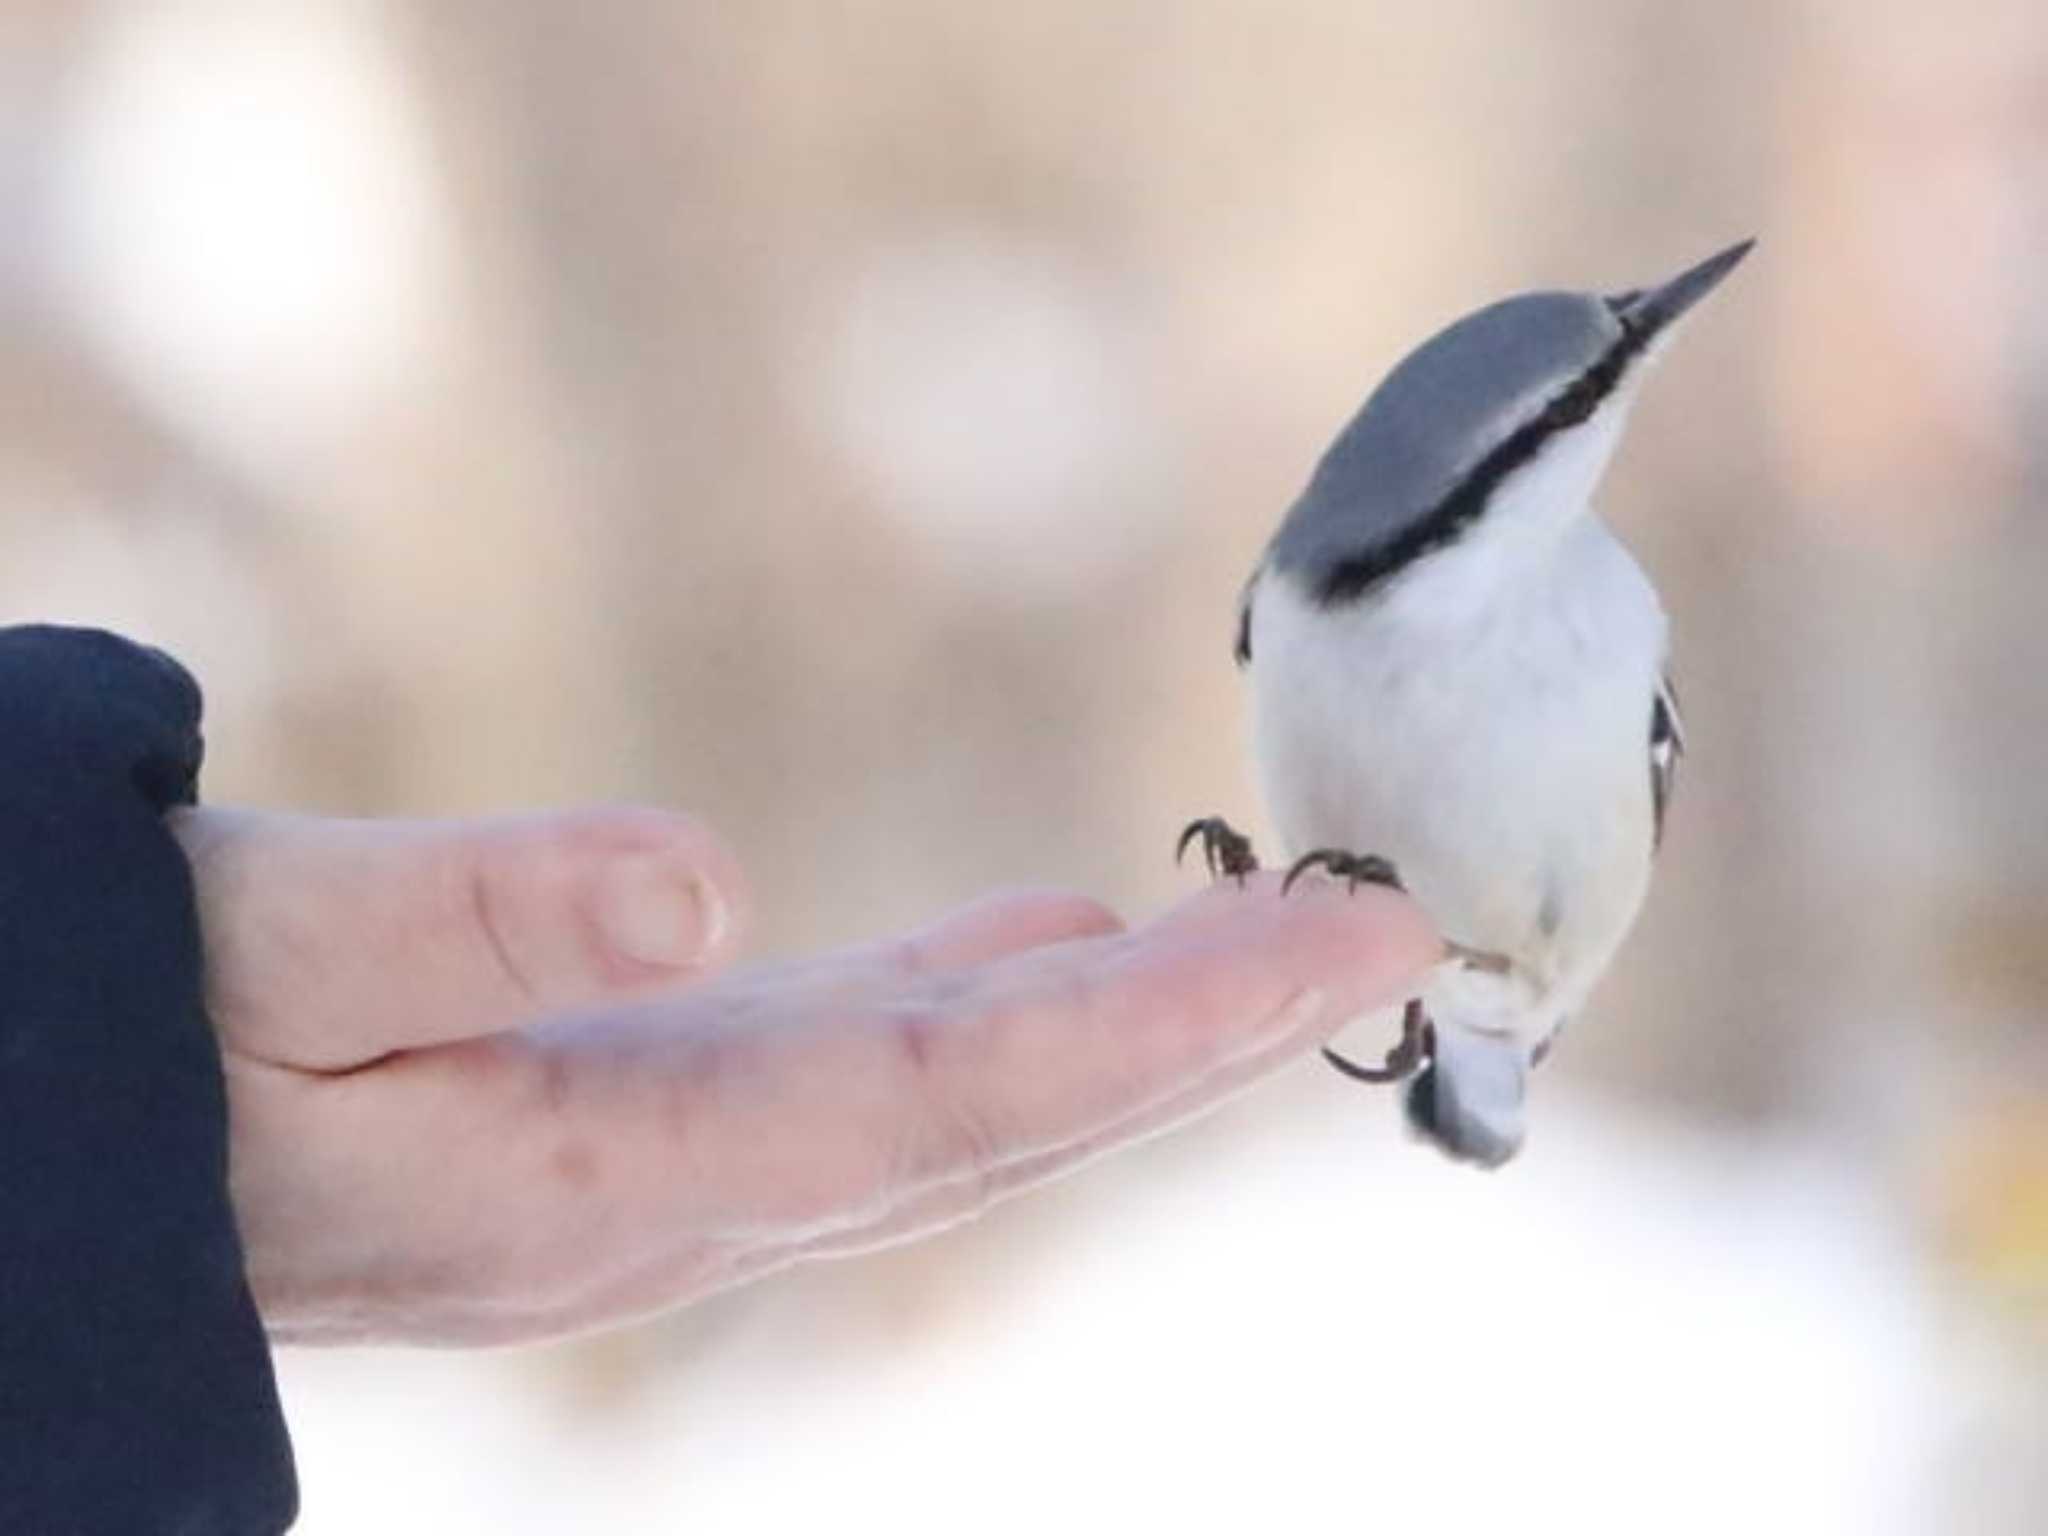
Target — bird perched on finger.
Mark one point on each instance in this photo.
(1460, 683)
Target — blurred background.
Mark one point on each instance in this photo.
(853, 422)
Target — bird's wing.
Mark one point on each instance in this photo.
(1243, 649)
(1667, 746)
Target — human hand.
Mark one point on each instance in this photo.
(482, 1086)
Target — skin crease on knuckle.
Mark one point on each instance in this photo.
(752, 1125)
(483, 918)
(978, 1086)
(946, 1131)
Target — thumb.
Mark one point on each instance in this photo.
(331, 942)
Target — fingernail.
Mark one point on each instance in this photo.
(655, 913)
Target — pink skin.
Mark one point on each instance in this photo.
(493, 1081)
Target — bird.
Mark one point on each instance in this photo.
(1460, 685)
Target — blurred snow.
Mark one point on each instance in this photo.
(1308, 1327)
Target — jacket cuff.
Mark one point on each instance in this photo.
(136, 1391)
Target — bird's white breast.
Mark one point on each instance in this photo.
(1483, 721)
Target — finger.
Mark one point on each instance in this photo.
(330, 942)
(824, 1124)
(961, 1199)
(1005, 923)
(1057, 1047)
(646, 1291)
(551, 1205)
(989, 928)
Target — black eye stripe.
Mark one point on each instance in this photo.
(1460, 507)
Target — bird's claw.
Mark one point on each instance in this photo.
(1416, 1046)
(1354, 869)
(1227, 851)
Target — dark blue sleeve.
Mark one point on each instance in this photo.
(136, 1393)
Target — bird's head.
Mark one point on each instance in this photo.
(1508, 415)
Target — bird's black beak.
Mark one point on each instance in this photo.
(1646, 311)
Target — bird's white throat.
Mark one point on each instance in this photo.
(1536, 508)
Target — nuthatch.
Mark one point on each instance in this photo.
(1460, 683)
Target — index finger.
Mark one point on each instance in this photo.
(958, 1075)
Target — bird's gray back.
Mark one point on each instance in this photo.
(1432, 418)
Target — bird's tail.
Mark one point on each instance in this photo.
(1469, 1099)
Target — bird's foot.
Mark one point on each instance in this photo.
(1417, 1045)
(1354, 869)
(1227, 851)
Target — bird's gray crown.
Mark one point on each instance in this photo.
(1455, 408)
(1463, 412)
